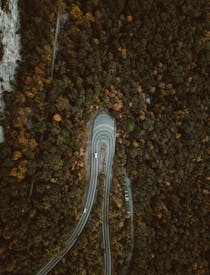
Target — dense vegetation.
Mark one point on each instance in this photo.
(112, 54)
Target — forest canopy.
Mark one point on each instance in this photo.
(146, 63)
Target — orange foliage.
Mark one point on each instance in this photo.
(129, 18)
(16, 155)
(57, 117)
(20, 171)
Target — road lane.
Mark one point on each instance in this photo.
(129, 203)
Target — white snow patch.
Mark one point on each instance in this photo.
(1, 134)
(9, 26)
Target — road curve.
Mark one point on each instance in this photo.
(103, 134)
(107, 140)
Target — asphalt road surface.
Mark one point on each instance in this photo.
(105, 125)
(103, 135)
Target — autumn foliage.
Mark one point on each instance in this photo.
(145, 62)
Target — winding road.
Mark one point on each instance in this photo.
(103, 135)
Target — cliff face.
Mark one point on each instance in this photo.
(120, 56)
